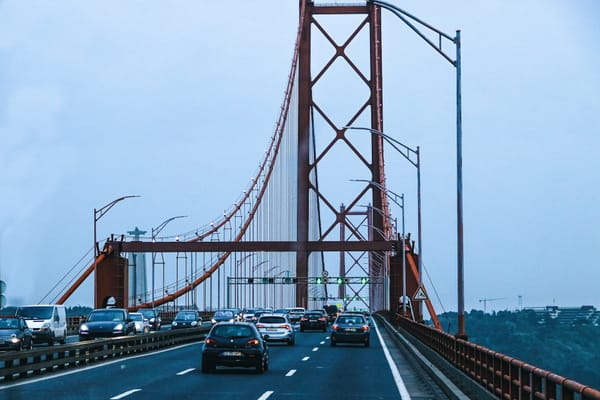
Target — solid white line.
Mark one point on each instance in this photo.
(305, 358)
(185, 371)
(404, 395)
(266, 395)
(291, 372)
(125, 394)
(315, 349)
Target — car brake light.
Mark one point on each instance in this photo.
(210, 341)
(253, 342)
(322, 319)
(334, 327)
(303, 319)
(260, 326)
(365, 328)
(285, 326)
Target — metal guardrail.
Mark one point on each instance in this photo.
(16, 365)
(503, 376)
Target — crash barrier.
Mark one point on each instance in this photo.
(21, 364)
(503, 376)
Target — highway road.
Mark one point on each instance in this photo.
(311, 369)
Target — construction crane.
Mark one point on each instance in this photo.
(485, 301)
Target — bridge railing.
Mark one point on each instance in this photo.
(504, 376)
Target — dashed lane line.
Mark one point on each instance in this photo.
(125, 394)
(315, 349)
(185, 371)
(291, 372)
(306, 358)
(266, 395)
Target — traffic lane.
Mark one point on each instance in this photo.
(170, 373)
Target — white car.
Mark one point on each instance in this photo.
(142, 324)
(276, 328)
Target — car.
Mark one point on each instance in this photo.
(350, 328)
(296, 313)
(363, 313)
(222, 316)
(15, 334)
(47, 322)
(142, 325)
(153, 318)
(276, 328)
(248, 314)
(235, 344)
(106, 322)
(312, 320)
(186, 319)
(332, 311)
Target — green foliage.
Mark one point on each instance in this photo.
(77, 311)
(571, 351)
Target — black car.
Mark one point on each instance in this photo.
(14, 334)
(313, 321)
(235, 344)
(222, 316)
(153, 318)
(350, 328)
(106, 322)
(332, 311)
(186, 319)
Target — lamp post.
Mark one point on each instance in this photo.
(415, 23)
(401, 205)
(99, 213)
(406, 152)
(155, 232)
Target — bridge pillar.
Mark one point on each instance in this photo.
(111, 280)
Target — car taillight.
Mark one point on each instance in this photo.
(365, 328)
(334, 327)
(260, 326)
(210, 341)
(322, 319)
(285, 326)
(303, 319)
(253, 342)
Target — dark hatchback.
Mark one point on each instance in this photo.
(14, 334)
(235, 344)
(153, 318)
(186, 319)
(313, 321)
(107, 322)
(350, 328)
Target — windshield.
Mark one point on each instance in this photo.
(36, 312)
(137, 317)
(223, 314)
(186, 316)
(9, 323)
(148, 313)
(106, 315)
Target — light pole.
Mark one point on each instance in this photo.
(99, 213)
(414, 23)
(401, 205)
(406, 152)
(155, 232)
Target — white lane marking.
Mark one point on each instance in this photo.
(327, 337)
(58, 375)
(305, 358)
(266, 395)
(185, 371)
(315, 349)
(125, 394)
(323, 342)
(404, 395)
(291, 372)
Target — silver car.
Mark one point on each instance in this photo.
(142, 324)
(276, 328)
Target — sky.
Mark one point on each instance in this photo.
(175, 101)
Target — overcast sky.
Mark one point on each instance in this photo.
(176, 101)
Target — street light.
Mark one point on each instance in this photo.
(401, 205)
(414, 23)
(99, 213)
(406, 152)
(155, 232)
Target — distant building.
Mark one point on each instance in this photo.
(584, 315)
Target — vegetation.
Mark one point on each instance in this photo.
(571, 351)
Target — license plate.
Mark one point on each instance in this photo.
(312, 320)
(231, 353)
(271, 329)
(351, 329)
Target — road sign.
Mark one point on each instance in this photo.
(420, 294)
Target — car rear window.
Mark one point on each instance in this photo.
(352, 320)
(313, 315)
(272, 320)
(232, 331)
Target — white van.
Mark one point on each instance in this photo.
(47, 322)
